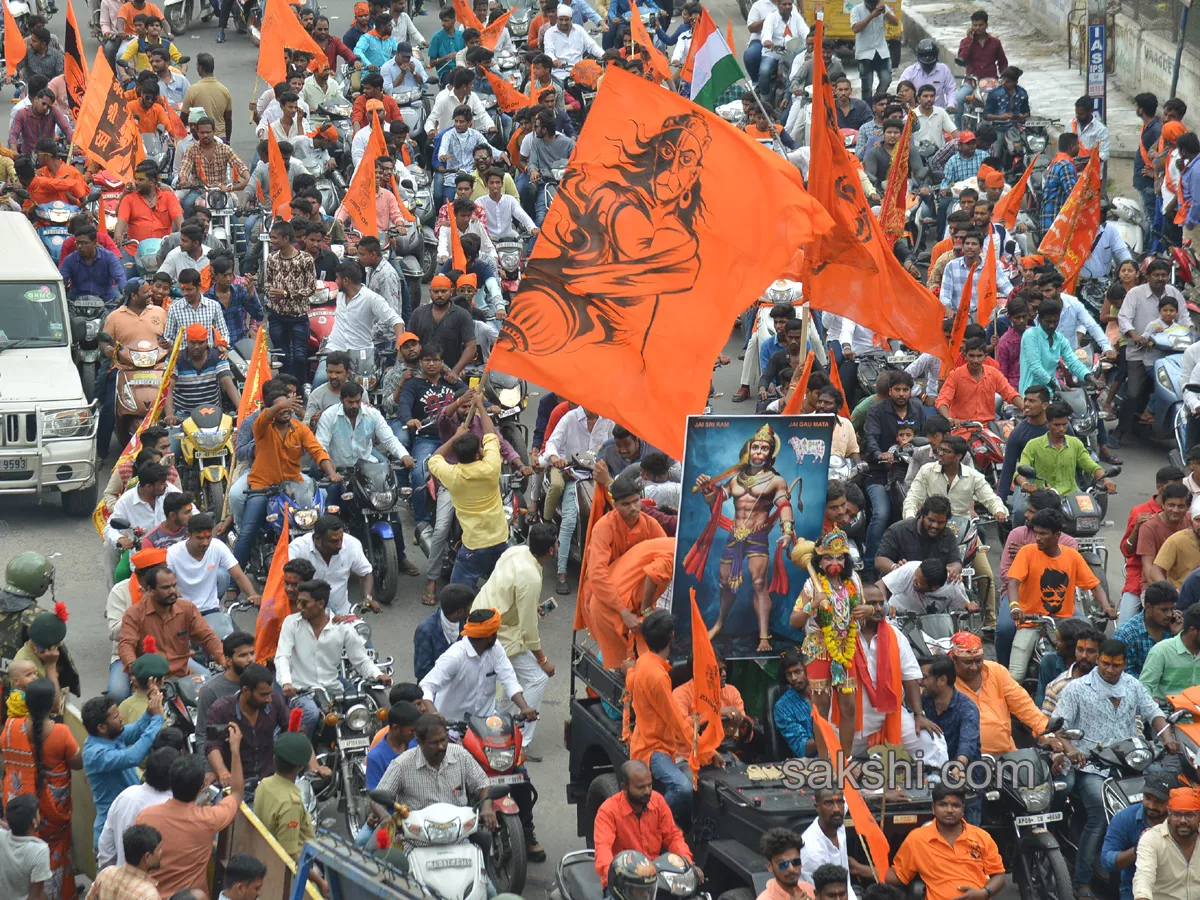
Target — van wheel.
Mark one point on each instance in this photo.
(601, 788)
(80, 503)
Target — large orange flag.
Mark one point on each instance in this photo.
(706, 694)
(799, 387)
(877, 294)
(1068, 243)
(643, 42)
(985, 303)
(104, 129)
(458, 259)
(894, 208)
(466, 16)
(1009, 206)
(646, 240)
(491, 35)
(274, 607)
(405, 212)
(14, 44)
(277, 176)
(509, 98)
(281, 30)
(862, 819)
(962, 317)
(360, 196)
(257, 375)
(75, 71)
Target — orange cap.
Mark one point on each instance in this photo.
(196, 332)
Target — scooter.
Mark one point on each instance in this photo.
(50, 223)
(206, 448)
(1083, 400)
(138, 385)
(112, 189)
(87, 318)
(1128, 217)
(160, 148)
(180, 14)
(1167, 376)
(509, 255)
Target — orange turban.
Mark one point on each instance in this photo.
(196, 332)
(1172, 130)
(1185, 799)
(467, 279)
(485, 628)
(141, 561)
(991, 178)
(440, 281)
(966, 644)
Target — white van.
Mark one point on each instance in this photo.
(47, 425)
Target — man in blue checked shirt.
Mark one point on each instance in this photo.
(793, 713)
(240, 304)
(1060, 179)
(1119, 851)
(954, 276)
(90, 269)
(958, 168)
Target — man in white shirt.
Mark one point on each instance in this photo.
(310, 651)
(130, 802)
(782, 25)
(567, 43)
(921, 586)
(359, 311)
(825, 841)
(578, 431)
(465, 216)
(933, 123)
(404, 72)
(203, 567)
(501, 208)
(403, 28)
(1093, 134)
(458, 93)
(513, 590)
(141, 506)
(320, 88)
(755, 20)
(336, 556)
(867, 21)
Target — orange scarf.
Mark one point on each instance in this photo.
(887, 689)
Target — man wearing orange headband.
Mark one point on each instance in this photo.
(446, 326)
(200, 376)
(123, 595)
(998, 697)
(1167, 866)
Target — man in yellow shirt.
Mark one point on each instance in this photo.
(474, 485)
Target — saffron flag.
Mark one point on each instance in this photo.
(282, 30)
(1068, 243)
(710, 67)
(14, 44)
(985, 294)
(104, 129)
(75, 71)
(646, 240)
(894, 208)
(729, 35)
(644, 44)
(1007, 207)
(600, 505)
(706, 695)
(491, 35)
(874, 291)
(256, 376)
(962, 318)
(274, 606)
(799, 387)
(835, 378)
(277, 176)
(360, 196)
(405, 212)
(101, 217)
(466, 16)
(862, 820)
(458, 259)
(509, 98)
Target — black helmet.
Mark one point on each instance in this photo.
(927, 52)
(631, 876)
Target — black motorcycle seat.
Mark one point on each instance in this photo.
(581, 881)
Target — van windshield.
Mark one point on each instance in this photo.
(31, 315)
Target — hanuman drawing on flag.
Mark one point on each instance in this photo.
(761, 497)
(623, 237)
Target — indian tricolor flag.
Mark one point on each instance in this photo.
(711, 66)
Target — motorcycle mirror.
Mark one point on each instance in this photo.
(1112, 471)
(1027, 471)
(386, 799)
(959, 61)
(497, 791)
(1176, 716)
(78, 328)
(118, 523)
(1072, 734)
(920, 441)
(1194, 388)
(1010, 247)
(1054, 725)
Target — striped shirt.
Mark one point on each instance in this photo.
(198, 387)
(458, 780)
(207, 312)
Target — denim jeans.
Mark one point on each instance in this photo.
(309, 712)
(869, 70)
(1131, 605)
(541, 204)
(118, 681)
(881, 511)
(566, 530)
(106, 389)
(1149, 198)
(237, 498)
(766, 75)
(188, 201)
(1089, 789)
(253, 519)
(676, 786)
(964, 90)
(528, 195)
(289, 335)
(471, 565)
(422, 448)
(752, 58)
(439, 541)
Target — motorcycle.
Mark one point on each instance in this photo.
(966, 530)
(221, 208)
(516, 506)
(206, 448)
(50, 223)
(1083, 400)
(933, 633)
(986, 448)
(512, 396)
(576, 878)
(495, 742)
(300, 504)
(138, 385)
(977, 99)
(112, 189)
(370, 509)
(508, 254)
(87, 318)
(160, 148)
(1025, 141)
(181, 699)
(412, 109)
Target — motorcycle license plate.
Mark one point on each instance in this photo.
(14, 464)
(355, 743)
(1039, 819)
(450, 862)
(506, 779)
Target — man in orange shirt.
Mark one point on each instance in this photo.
(659, 729)
(62, 180)
(994, 691)
(636, 818)
(129, 11)
(639, 578)
(956, 860)
(147, 211)
(969, 392)
(146, 109)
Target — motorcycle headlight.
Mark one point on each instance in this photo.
(519, 29)
(363, 630)
(357, 718)
(442, 832)
(510, 260)
(68, 423)
(217, 200)
(1083, 423)
(1036, 798)
(91, 330)
(509, 397)
(382, 500)
(144, 359)
(305, 518)
(1036, 142)
(499, 759)
(1138, 758)
(211, 438)
(680, 884)
(1163, 378)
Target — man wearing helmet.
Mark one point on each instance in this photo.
(27, 577)
(927, 70)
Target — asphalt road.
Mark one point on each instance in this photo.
(73, 544)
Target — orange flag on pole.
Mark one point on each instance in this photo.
(862, 819)
(1007, 207)
(509, 98)
(600, 506)
(257, 375)
(466, 16)
(643, 42)
(835, 378)
(101, 217)
(894, 208)
(360, 196)
(623, 267)
(841, 277)
(14, 44)
(706, 695)
(75, 71)
(491, 35)
(985, 303)
(795, 403)
(1068, 243)
(458, 259)
(104, 129)
(277, 176)
(282, 30)
(274, 606)
(962, 317)
(729, 35)
(404, 210)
